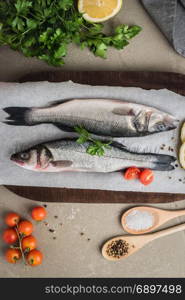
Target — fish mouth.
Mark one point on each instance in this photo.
(16, 160)
(172, 127)
(172, 122)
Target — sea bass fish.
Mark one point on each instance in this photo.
(68, 155)
(103, 117)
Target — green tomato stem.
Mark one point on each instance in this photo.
(20, 245)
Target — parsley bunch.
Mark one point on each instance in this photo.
(97, 147)
(45, 28)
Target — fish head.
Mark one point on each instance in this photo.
(159, 122)
(35, 159)
(27, 159)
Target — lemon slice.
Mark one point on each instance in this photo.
(99, 10)
(182, 155)
(183, 133)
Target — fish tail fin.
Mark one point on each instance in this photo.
(163, 162)
(163, 167)
(165, 158)
(17, 115)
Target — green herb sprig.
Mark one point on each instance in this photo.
(45, 28)
(97, 147)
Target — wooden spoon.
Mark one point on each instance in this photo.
(137, 242)
(160, 216)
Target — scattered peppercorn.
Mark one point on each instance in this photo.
(45, 205)
(81, 233)
(170, 149)
(117, 248)
(56, 217)
(52, 230)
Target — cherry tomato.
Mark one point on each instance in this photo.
(25, 228)
(132, 173)
(38, 213)
(12, 255)
(29, 243)
(146, 176)
(34, 257)
(12, 219)
(10, 236)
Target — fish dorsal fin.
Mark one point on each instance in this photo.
(64, 127)
(123, 111)
(57, 102)
(60, 164)
(118, 145)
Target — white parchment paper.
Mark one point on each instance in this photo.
(17, 138)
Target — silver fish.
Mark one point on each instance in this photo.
(103, 117)
(68, 155)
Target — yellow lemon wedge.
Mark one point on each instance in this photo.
(99, 10)
(182, 155)
(183, 133)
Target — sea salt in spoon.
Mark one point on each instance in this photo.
(147, 218)
(137, 242)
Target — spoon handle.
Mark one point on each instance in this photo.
(177, 213)
(168, 231)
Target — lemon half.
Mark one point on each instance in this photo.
(183, 133)
(99, 10)
(182, 155)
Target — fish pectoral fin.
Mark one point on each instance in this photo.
(123, 111)
(61, 163)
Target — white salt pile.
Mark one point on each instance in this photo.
(139, 220)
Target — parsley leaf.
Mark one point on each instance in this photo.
(45, 28)
(96, 147)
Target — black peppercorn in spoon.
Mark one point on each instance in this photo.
(131, 244)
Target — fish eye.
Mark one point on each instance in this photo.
(24, 156)
(161, 126)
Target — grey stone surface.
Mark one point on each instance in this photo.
(72, 254)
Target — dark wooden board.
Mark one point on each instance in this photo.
(147, 80)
